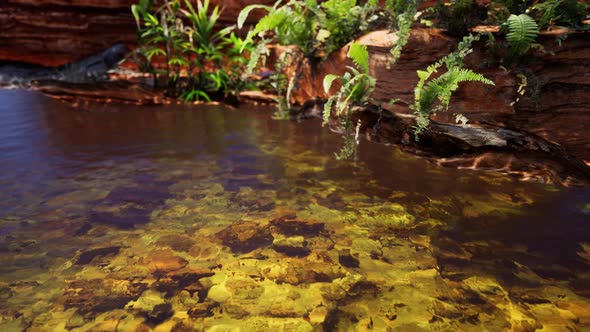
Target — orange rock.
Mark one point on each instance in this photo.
(164, 261)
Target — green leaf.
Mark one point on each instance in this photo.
(423, 75)
(328, 80)
(522, 32)
(136, 11)
(360, 56)
(152, 19)
(246, 11)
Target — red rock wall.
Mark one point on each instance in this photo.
(55, 32)
(556, 105)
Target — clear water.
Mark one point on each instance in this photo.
(207, 218)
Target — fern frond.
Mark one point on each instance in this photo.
(360, 56)
(268, 22)
(328, 109)
(442, 87)
(522, 32)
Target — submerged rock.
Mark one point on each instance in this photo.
(96, 296)
(124, 207)
(164, 261)
(291, 226)
(291, 246)
(88, 256)
(159, 314)
(178, 242)
(347, 260)
(245, 236)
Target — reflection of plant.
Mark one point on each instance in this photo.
(200, 59)
(429, 90)
(357, 86)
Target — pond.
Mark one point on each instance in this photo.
(178, 218)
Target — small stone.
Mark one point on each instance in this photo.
(164, 261)
(40, 307)
(347, 260)
(178, 242)
(318, 315)
(75, 321)
(160, 314)
(204, 309)
(219, 293)
(245, 236)
(5, 293)
(291, 246)
(89, 255)
(290, 225)
(147, 301)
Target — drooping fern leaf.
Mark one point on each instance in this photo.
(522, 32)
(360, 56)
(246, 11)
(440, 89)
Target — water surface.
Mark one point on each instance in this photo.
(209, 218)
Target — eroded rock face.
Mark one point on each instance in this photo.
(555, 105)
(56, 32)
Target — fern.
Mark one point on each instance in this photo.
(522, 32)
(360, 56)
(428, 92)
(357, 86)
(404, 19)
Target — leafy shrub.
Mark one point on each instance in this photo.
(200, 59)
(312, 29)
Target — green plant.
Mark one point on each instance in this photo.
(567, 13)
(310, 30)
(341, 21)
(522, 32)
(404, 13)
(434, 94)
(201, 61)
(357, 84)
(458, 16)
(515, 7)
(159, 35)
(356, 87)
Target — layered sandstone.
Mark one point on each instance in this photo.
(555, 105)
(55, 32)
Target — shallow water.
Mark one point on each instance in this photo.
(208, 218)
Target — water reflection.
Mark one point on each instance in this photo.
(206, 217)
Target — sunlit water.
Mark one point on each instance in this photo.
(207, 218)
